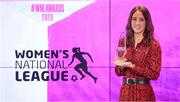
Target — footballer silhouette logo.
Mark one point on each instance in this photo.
(82, 66)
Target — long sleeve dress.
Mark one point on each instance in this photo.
(147, 60)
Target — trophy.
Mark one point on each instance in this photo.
(121, 52)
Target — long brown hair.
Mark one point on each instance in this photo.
(149, 28)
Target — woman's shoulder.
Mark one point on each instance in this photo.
(155, 43)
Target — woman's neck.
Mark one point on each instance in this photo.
(138, 35)
(138, 38)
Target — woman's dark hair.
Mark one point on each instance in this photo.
(149, 28)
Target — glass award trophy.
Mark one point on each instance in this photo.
(121, 51)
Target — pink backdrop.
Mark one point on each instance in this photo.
(96, 29)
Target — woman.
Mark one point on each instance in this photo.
(142, 61)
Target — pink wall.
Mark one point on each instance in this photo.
(96, 31)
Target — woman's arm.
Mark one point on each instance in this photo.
(152, 64)
(120, 71)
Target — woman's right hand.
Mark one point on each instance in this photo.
(119, 61)
(128, 65)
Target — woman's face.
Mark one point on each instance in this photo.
(138, 22)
